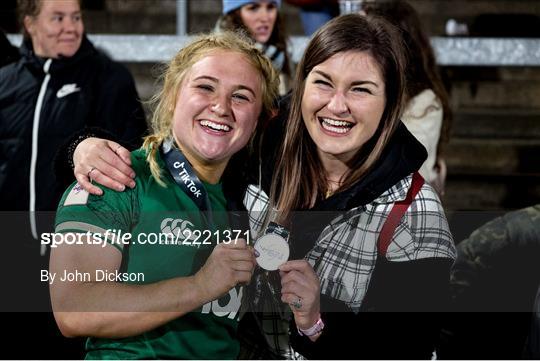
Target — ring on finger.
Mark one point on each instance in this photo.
(297, 303)
(89, 174)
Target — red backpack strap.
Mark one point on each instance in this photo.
(397, 212)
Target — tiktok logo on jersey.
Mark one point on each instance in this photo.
(228, 305)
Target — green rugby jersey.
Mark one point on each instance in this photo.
(206, 333)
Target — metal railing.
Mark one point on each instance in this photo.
(449, 50)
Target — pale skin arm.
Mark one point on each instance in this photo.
(114, 310)
(107, 162)
(299, 280)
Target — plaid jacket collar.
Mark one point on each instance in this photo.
(394, 194)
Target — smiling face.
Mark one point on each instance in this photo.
(259, 18)
(343, 102)
(217, 108)
(57, 29)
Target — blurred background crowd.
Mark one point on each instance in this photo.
(491, 156)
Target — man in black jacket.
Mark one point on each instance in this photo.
(60, 86)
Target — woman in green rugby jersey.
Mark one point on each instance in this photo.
(175, 300)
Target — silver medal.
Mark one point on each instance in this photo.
(273, 251)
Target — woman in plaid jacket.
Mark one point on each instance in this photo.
(339, 151)
(347, 159)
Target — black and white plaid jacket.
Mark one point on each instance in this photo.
(345, 253)
(343, 247)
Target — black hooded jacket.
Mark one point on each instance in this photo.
(42, 103)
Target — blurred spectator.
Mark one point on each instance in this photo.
(428, 114)
(60, 85)
(315, 13)
(8, 53)
(494, 282)
(261, 20)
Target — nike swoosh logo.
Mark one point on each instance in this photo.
(66, 90)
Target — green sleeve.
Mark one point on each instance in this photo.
(107, 216)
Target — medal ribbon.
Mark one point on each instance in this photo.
(186, 178)
(275, 228)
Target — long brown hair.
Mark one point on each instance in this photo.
(422, 71)
(233, 22)
(300, 176)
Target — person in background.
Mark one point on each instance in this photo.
(8, 53)
(493, 284)
(427, 115)
(261, 20)
(60, 85)
(315, 13)
(183, 299)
